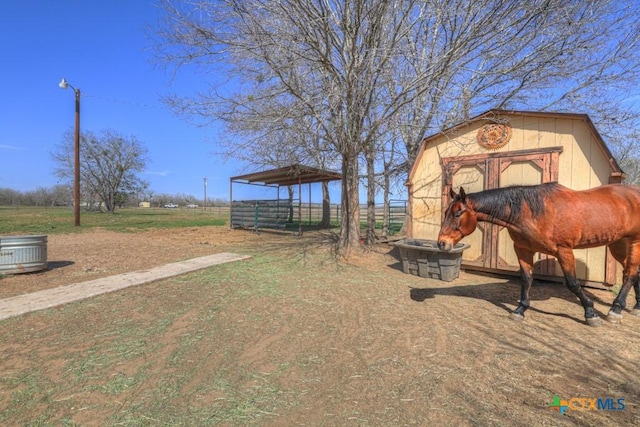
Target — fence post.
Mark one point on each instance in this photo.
(255, 218)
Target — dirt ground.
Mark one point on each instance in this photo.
(402, 351)
(99, 253)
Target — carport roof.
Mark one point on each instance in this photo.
(288, 175)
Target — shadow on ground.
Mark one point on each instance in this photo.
(52, 265)
(506, 295)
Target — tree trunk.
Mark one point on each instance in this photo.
(325, 222)
(385, 204)
(371, 200)
(350, 211)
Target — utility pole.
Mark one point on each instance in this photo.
(76, 149)
(205, 193)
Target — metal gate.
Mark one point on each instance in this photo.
(397, 213)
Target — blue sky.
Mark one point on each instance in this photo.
(101, 48)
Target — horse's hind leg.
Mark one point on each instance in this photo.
(636, 290)
(525, 259)
(615, 313)
(568, 263)
(630, 278)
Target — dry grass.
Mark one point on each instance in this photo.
(293, 337)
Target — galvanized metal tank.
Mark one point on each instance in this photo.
(23, 254)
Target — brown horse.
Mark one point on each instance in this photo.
(554, 220)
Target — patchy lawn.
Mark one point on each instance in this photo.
(294, 337)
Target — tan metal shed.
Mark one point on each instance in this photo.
(501, 148)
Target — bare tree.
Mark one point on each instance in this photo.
(10, 197)
(535, 55)
(328, 57)
(358, 67)
(624, 146)
(109, 163)
(274, 135)
(42, 196)
(62, 195)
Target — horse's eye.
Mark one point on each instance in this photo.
(457, 214)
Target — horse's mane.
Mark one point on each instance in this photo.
(506, 203)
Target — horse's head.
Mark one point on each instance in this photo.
(459, 221)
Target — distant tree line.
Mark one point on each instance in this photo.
(58, 195)
(62, 195)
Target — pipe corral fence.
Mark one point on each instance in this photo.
(286, 215)
(292, 213)
(275, 214)
(258, 214)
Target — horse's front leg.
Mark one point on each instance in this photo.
(568, 264)
(629, 279)
(525, 259)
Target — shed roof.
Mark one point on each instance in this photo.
(289, 175)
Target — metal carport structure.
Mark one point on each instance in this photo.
(258, 214)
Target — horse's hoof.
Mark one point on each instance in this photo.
(594, 321)
(635, 312)
(517, 317)
(614, 317)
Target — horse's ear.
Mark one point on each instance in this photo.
(462, 194)
(452, 193)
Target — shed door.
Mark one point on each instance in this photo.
(491, 247)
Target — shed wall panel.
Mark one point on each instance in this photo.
(566, 140)
(600, 167)
(531, 130)
(472, 179)
(548, 134)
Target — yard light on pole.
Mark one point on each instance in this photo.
(76, 174)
